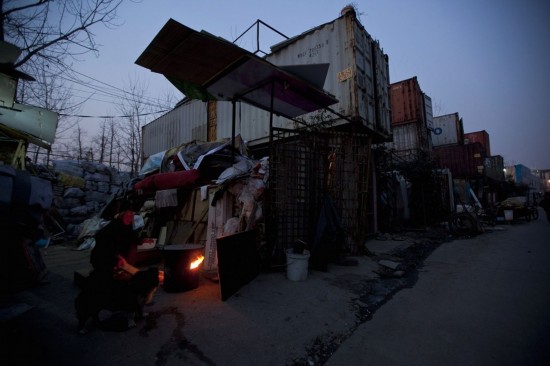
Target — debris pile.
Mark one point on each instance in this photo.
(82, 189)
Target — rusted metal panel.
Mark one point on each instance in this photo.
(407, 102)
(479, 136)
(447, 130)
(464, 161)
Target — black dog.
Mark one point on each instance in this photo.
(123, 301)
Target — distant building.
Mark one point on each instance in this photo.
(522, 176)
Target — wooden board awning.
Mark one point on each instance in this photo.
(203, 66)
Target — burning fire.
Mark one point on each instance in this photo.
(197, 262)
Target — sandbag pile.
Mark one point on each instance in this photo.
(82, 190)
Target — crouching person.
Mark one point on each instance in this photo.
(115, 292)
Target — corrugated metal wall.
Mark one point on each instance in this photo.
(464, 161)
(183, 124)
(250, 122)
(407, 137)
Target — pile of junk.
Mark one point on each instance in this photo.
(198, 210)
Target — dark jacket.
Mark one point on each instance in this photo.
(112, 240)
(545, 202)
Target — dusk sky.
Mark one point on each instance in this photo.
(487, 60)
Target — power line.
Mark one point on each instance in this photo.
(111, 86)
(121, 116)
(145, 100)
(113, 92)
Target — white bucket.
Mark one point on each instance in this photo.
(296, 265)
(508, 215)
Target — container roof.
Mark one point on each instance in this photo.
(203, 66)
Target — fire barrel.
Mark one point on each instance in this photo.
(182, 266)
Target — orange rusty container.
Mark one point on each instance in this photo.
(407, 102)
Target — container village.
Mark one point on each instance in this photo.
(293, 159)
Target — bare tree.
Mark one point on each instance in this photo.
(112, 140)
(78, 149)
(50, 92)
(51, 35)
(54, 31)
(105, 144)
(99, 142)
(437, 108)
(134, 109)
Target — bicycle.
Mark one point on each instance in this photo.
(472, 219)
(464, 223)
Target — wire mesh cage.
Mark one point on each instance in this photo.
(309, 167)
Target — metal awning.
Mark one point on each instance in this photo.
(203, 66)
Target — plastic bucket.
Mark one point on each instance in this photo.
(508, 215)
(297, 265)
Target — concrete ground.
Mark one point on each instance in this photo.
(477, 301)
(270, 321)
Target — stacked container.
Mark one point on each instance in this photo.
(479, 136)
(494, 167)
(447, 130)
(411, 109)
(464, 161)
(358, 71)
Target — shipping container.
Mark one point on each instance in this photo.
(521, 175)
(358, 76)
(428, 112)
(479, 136)
(494, 167)
(410, 110)
(464, 161)
(409, 137)
(186, 122)
(358, 72)
(407, 102)
(447, 130)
